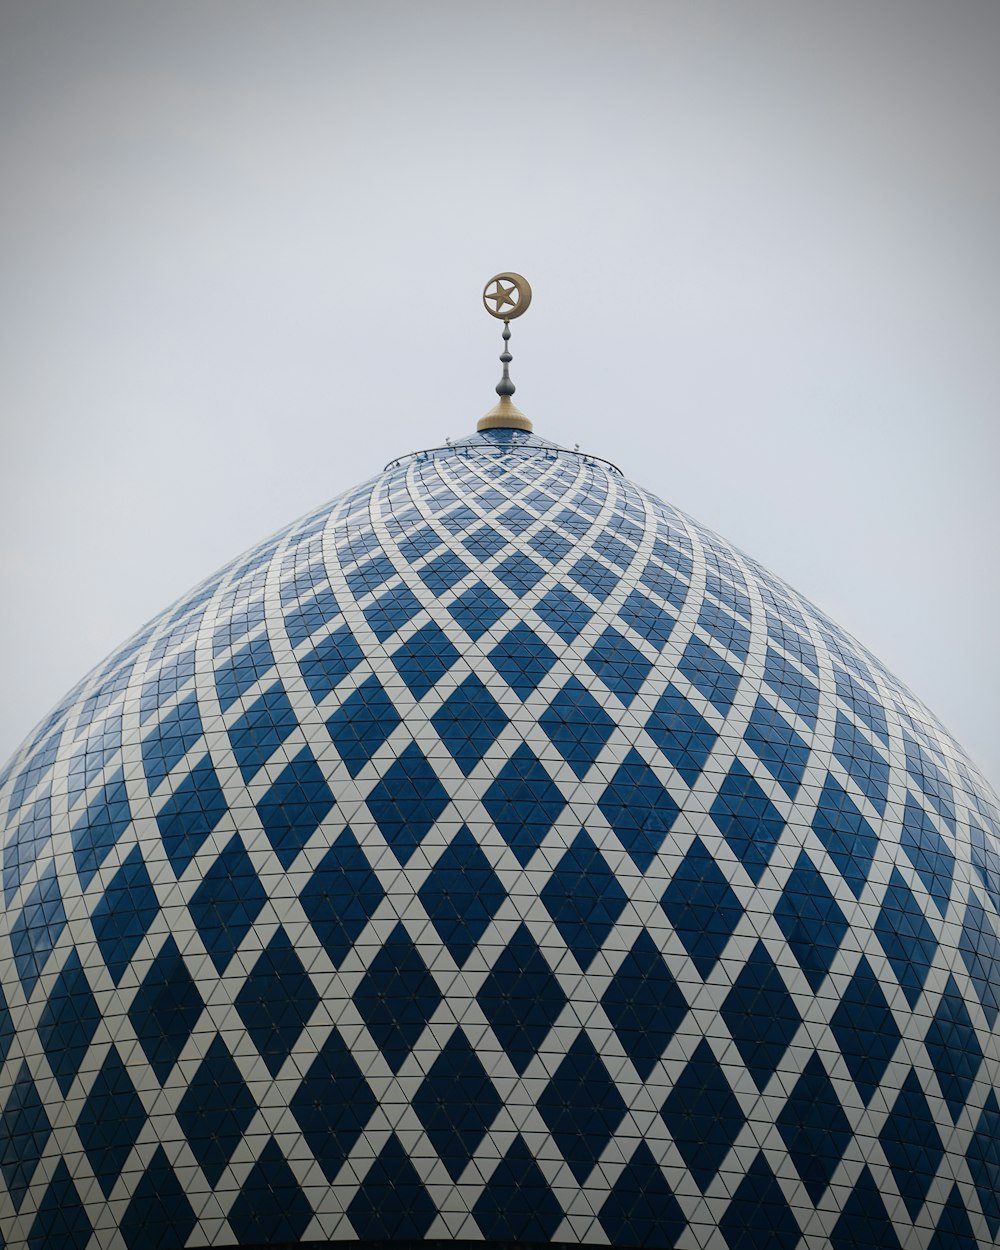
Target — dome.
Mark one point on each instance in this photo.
(496, 855)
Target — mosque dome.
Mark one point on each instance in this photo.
(497, 855)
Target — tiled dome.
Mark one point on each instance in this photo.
(497, 855)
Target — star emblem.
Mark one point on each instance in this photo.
(501, 296)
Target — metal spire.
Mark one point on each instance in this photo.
(505, 296)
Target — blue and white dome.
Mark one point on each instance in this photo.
(497, 855)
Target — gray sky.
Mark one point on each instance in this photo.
(242, 246)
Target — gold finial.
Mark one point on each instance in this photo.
(509, 294)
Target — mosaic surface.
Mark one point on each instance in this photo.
(496, 854)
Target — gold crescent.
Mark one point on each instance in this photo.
(523, 296)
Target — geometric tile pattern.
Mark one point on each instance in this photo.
(496, 854)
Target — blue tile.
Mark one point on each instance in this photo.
(584, 898)
(594, 577)
(329, 662)
(456, 1103)
(811, 920)
(954, 1049)
(702, 907)
(582, 1107)
(443, 572)
(522, 659)
(519, 573)
(681, 733)
(461, 895)
(912, 1145)
(165, 1010)
(478, 609)
(276, 1002)
(639, 809)
(725, 629)
(258, 733)
(931, 779)
(397, 996)
(786, 680)
(122, 916)
(644, 1005)
(30, 838)
(983, 1156)
(862, 703)
(747, 819)
(954, 1230)
(906, 937)
(391, 1203)
(565, 613)
(391, 612)
(524, 803)
(521, 999)
(641, 1210)
(216, 1111)
(166, 745)
(849, 839)
(928, 853)
(159, 1217)
(577, 726)
(226, 903)
(865, 765)
(865, 1221)
(777, 745)
(310, 615)
(37, 929)
(106, 819)
(761, 1015)
(713, 677)
(190, 814)
(759, 1217)
(424, 659)
(468, 722)
(517, 1204)
(295, 806)
(621, 666)
(703, 1115)
(341, 897)
(271, 1207)
(865, 1030)
(24, 1133)
(62, 1219)
(241, 672)
(332, 1105)
(172, 675)
(647, 619)
(109, 1123)
(68, 1024)
(814, 1128)
(362, 723)
(407, 801)
(980, 949)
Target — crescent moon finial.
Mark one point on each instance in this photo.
(506, 296)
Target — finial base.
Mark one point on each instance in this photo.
(505, 416)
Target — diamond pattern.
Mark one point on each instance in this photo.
(216, 1110)
(462, 895)
(397, 997)
(395, 912)
(703, 1115)
(276, 1001)
(456, 1103)
(584, 898)
(582, 1107)
(521, 999)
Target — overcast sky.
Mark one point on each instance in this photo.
(242, 246)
